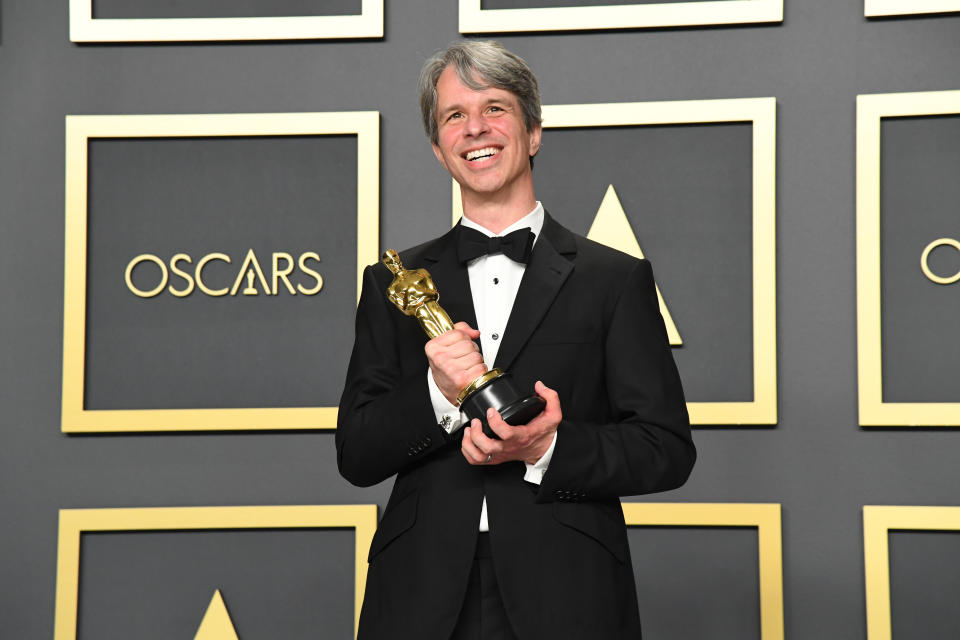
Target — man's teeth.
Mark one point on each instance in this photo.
(480, 154)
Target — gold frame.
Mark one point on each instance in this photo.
(874, 412)
(878, 521)
(475, 19)
(79, 130)
(762, 113)
(765, 517)
(75, 522)
(85, 28)
(872, 8)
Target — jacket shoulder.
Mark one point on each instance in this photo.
(600, 258)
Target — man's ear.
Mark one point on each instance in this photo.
(535, 135)
(439, 156)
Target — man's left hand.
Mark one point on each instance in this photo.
(526, 442)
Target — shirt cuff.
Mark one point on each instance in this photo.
(536, 470)
(448, 415)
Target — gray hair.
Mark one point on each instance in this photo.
(479, 65)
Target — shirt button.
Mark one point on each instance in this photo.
(496, 281)
(495, 336)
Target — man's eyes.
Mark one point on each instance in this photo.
(456, 115)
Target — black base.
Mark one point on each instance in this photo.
(500, 394)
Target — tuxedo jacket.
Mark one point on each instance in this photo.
(586, 322)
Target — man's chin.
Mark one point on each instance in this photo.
(481, 189)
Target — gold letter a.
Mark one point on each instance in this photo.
(216, 624)
(612, 228)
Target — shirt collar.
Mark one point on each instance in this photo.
(534, 220)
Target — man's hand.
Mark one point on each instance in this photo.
(455, 360)
(527, 442)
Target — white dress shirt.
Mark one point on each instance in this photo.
(494, 280)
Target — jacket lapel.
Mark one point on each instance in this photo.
(550, 264)
(450, 277)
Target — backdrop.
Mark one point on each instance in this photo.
(686, 191)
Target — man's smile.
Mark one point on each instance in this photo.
(481, 154)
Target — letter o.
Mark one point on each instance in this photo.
(941, 242)
(129, 272)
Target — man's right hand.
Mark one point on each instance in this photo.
(455, 360)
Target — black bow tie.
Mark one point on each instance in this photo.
(472, 244)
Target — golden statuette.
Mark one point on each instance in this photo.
(413, 292)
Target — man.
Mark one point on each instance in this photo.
(521, 536)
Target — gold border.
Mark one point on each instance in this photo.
(907, 7)
(878, 521)
(765, 517)
(762, 113)
(74, 522)
(475, 19)
(85, 28)
(874, 412)
(79, 130)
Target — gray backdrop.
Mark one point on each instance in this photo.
(693, 583)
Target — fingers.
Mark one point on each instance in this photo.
(552, 398)
(455, 359)
(462, 348)
(452, 338)
(501, 428)
(451, 346)
(467, 329)
(476, 447)
(471, 374)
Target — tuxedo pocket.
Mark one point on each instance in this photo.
(398, 519)
(591, 520)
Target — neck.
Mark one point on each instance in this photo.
(498, 211)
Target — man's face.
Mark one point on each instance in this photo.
(481, 137)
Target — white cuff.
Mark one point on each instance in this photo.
(448, 415)
(536, 470)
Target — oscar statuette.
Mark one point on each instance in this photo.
(413, 292)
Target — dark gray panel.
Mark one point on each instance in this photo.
(687, 192)
(715, 569)
(920, 192)
(817, 462)
(924, 584)
(275, 583)
(221, 8)
(199, 196)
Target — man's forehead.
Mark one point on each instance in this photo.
(450, 75)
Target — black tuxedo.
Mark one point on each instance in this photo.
(587, 323)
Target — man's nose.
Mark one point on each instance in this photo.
(477, 125)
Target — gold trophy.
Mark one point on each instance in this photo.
(413, 292)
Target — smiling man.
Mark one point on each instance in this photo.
(519, 535)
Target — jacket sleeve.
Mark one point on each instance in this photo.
(386, 421)
(647, 447)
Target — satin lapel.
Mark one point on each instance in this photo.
(545, 274)
(451, 279)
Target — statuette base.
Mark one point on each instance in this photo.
(499, 393)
